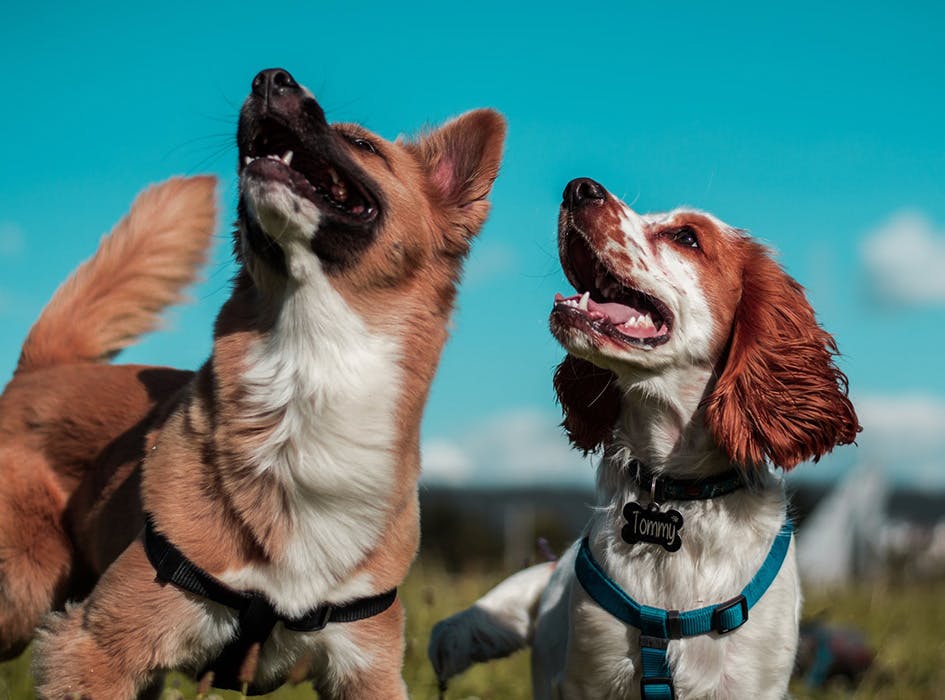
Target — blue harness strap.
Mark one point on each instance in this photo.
(657, 626)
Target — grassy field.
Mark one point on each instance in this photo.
(904, 623)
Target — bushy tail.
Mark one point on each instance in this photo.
(139, 268)
(499, 623)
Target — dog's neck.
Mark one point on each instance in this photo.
(327, 374)
(662, 424)
(312, 399)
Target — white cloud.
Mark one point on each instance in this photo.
(905, 261)
(519, 447)
(904, 434)
(12, 240)
(915, 421)
(445, 462)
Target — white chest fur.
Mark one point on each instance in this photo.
(335, 385)
(722, 550)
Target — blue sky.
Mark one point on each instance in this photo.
(819, 127)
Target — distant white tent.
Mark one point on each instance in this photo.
(841, 539)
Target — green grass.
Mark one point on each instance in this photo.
(904, 623)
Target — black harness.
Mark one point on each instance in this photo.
(257, 617)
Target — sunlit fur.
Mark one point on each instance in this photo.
(746, 379)
(69, 423)
(287, 464)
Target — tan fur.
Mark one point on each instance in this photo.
(138, 270)
(116, 440)
(69, 429)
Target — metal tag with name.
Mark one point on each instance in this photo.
(652, 525)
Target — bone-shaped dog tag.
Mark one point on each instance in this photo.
(652, 525)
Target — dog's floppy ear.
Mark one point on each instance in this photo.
(590, 401)
(461, 159)
(780, 396)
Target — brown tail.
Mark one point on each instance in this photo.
(139, 269)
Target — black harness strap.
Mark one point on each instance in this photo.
(257, 617)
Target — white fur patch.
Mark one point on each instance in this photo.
(336, 386)
(281, 213)
(674, 280)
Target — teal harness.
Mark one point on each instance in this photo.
(657, 626)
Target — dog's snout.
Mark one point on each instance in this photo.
(275, 93)
(274, 81)
(583, 190)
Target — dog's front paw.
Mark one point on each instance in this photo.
(69, 662)
(469, 637)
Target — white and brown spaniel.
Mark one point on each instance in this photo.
(697, 364)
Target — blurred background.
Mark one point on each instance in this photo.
(819, 128)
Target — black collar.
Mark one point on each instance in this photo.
(664, 488)
(257, 616)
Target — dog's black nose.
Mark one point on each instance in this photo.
(274, 81)
(583, 190)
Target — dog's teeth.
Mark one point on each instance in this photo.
(584, 299)
(334, 176)
(247, 160)
(339, 192)
(287, 157)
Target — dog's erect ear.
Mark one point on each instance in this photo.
(780, 396)
(590, 401)
(461, 159)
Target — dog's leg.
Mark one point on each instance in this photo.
(366, 662)
(131, 626)
(69, 660)
(498, 624)
(35, 552)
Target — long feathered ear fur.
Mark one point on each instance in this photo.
(590, 401)
(780, 396)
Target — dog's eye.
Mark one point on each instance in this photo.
(363, 144)
(685, 236)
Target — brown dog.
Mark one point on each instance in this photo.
(287, 465)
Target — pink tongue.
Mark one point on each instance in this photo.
(616, 313)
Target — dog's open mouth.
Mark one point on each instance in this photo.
(276, 153)
(606, 305)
